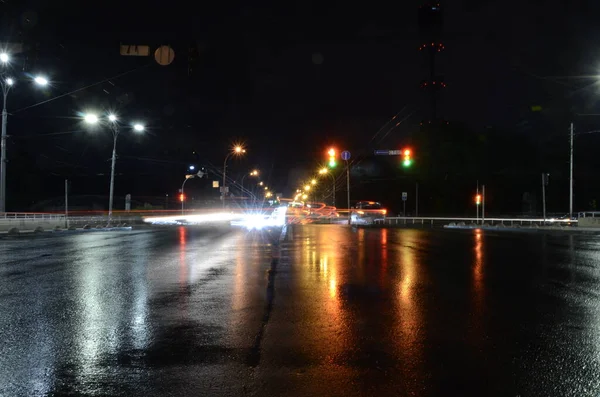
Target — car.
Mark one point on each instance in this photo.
(367, 212)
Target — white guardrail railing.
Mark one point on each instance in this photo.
(31, 215)
(491, 221)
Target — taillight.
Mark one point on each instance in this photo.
(384, 212)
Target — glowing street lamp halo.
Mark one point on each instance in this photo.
(91, 118)
(41, 80)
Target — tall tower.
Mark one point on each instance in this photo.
(430, 27)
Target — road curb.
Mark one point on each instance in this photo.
(66, 231)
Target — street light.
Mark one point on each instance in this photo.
(114, 125)
(41, 80)
(7, 83)
(200, 174)
(237, 150)
(4, 57)
(325, 171)
(251, 173)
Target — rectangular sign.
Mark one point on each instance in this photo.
(135, 50)
(215, 184)
(404, 196)
(388, 152)
(224, 189)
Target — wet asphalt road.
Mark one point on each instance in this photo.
(341, 312)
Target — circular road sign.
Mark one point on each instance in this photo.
(164, 55)
(345, 155)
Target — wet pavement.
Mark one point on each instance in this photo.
(332, 310)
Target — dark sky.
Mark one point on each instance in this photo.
(286, 78)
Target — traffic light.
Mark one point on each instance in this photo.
(181, 197)
(478, 199)
(407, 157)
(332, 162)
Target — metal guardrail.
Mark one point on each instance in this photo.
(589, 214)
(31, 215)
(503, 221)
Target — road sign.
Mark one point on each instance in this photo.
(215, 184)
(404, 196)
(164, 55)
(224, 189)
(388, 152)
(135, 50)
(345, 155)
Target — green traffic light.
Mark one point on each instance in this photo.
(332, 163)
(407, 163)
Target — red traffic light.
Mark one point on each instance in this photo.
(181, 197)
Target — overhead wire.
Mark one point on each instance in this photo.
(82, 88)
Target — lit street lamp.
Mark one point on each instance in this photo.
(252, 173)
(237, 150)
(114, 125)
(200, 174)
(7, 83)
(325, 171)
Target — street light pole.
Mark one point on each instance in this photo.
(236, 150)
(7, 83)
(5, 89)
(199, 174)
(115, 131)
(113, 123)
(571, 175)
(225, 176)
(252, 173)
(182, 193)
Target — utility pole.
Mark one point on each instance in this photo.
(482, 204)
(66, 203)
(544, 184)
(348, 191)
(570, 176)
(477, 204)
(417, 199)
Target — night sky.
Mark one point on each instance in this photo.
(287, 79)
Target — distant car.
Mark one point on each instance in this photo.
(367, 212)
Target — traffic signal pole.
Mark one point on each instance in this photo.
(348, 191)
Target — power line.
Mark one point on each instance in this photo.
(81, 89)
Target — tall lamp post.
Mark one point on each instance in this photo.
(7, 83)
(114, 125)
(252, 173)
(325, 171)
(199, 174)
(237, 150)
